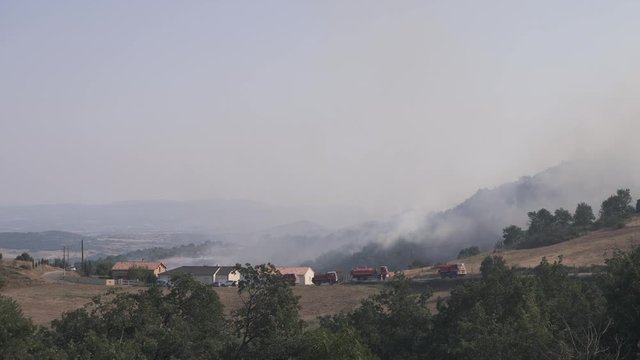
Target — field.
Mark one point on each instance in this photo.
(44, 297)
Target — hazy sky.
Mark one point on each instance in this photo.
(383, 105)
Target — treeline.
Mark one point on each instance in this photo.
(102, 266)
(546, 228)
(40, 241)
(503, 315)
(157, 253)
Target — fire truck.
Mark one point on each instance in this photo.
(451, 270)
(361, 273)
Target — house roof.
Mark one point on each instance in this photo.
(194, 270)
(126, 265)
(226, 270)
(298, 270)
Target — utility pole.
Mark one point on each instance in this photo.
(82, 256)
(64, 266)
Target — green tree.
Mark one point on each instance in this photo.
(16, 331)
(140, 274)
(616, 208)
(186, 323)
(562, 217)
(539, 221)
(324, 344)
(498, 317)
(24, 257)
(267, 324)
(583, 216)
(394, 324)
(468, 252)
(511, 236)
(621, 285)
(637, 210)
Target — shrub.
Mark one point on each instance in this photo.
(468, 252)
(24, 257)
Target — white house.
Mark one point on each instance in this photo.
(304, 274)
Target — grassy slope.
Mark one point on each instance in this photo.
(590, 249)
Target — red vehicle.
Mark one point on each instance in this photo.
(330, 278)
(451, 270)
(361, 273)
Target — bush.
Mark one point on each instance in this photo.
(143, 275)
(24, 257)
(468, 252)
(616, 208)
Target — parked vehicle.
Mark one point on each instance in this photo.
(361, 273)
(330, 277)
(451, 270)
(231, 283)
(219, 284)
(162, 282)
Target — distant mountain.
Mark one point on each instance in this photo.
(245, 231)
(208, 216)
(480, 219)
(39, 241)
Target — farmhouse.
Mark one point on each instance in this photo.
(205, 274)
(121, 269)
(304, 274)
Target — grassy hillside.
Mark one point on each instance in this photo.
(590, 249)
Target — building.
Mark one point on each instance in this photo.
(304, 274)
(205, 274)
(120, 270)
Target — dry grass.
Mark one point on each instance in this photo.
(314, 300)
(44, 301)
(587, 250)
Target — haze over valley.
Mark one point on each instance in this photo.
(305, 136)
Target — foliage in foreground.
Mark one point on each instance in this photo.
(503, 315)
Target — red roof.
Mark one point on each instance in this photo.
(126, 265)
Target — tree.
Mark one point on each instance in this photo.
(511, 236)
(539, 221)
(562, 217)
(616, 208)
(497, 317)
(468, 252)
(267, 324)
(24, 257)
(15, 331)
(622, 291)
(394, 324)
(140, 274)
(186, 323)
(637, 210)
(324, 344)
(583, 216)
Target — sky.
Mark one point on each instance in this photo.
(381, 105)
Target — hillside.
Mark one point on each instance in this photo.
(590, 249)
(479, 219)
